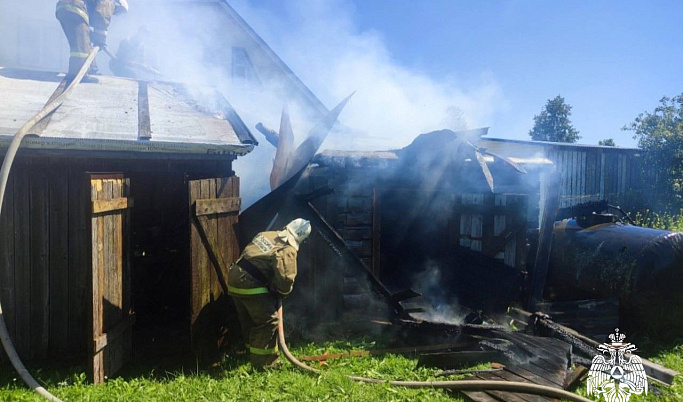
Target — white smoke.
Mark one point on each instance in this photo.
(323, 45)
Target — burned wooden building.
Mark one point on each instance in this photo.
(109, 207)
(439, 216)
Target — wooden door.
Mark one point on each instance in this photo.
(111, 312)
(214, 207)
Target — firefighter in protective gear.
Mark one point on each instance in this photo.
(131, 53)
(266, 269)
(76, 18)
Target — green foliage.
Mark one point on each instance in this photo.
(553, 124)
(607, 142)
(660, 133)
(657, 220)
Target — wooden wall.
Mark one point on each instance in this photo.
(591, 174)
(44, 241)
(494, 224)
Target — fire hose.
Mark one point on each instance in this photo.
(4, 175)
(460, 385)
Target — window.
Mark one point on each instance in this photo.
(242, 69)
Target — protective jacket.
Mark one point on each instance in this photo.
(267, 265)
(275, 260)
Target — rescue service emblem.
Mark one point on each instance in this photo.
(263, 244)
(615, 377)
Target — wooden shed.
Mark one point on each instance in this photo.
(108, 216)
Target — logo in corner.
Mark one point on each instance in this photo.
(613, 374)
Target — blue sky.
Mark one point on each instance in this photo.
(611, 60)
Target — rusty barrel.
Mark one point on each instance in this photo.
(642, 267)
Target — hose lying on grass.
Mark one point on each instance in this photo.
(462, 385)
(4, 175)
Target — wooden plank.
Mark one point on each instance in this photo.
(95, 315)
(40, 257)
(204, 273)
(376, 233)
(480, 396)
(59, 261)
(196, 249)
(211, 230)
(114, 333)
(80, 244)
(541, 369)
(112, 277)
(540, 270)
(590, 175)
(213, 206)
(7, 283)
(506, 375)
(503, 396)
(109, 205)
(574, 376)
(144, 124)
(602, 174)
(531, 376)
(22, 261)
(127, 288)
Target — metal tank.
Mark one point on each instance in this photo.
(641, 267)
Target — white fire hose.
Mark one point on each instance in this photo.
(4, 175)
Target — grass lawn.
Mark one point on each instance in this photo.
(235, 380)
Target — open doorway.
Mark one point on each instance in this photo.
(415, 231)
(160, 265)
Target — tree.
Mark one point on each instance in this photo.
(607, 142)
(660, 134)
(553, 123)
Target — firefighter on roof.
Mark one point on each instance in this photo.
(266, 269)
(131, 55)
(76, 17)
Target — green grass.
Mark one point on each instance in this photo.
(235, 380)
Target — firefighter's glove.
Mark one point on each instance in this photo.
(99, 38)
(274, 291)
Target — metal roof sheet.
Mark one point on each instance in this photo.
(104, 116)
(547, 144)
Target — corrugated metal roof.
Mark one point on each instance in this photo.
(501, 144)
(104, 116)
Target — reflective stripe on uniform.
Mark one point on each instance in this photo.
(74, 9)
(262, 352)
(250, 291)
(80, 55)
